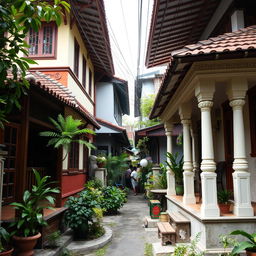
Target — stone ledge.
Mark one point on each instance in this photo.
(88, 246)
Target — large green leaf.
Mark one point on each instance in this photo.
(242, 246)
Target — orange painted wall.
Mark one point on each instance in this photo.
(60, 76)
(72, 184)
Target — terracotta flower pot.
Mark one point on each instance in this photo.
(25, 245)
(101, 164)
(224, 208)
(7, 253)
(250, 253)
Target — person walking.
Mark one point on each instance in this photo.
(134, 180)
(127, 176)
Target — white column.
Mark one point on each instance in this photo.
(170, 174)
(204, 93)
(241, 176)
(188, 174)
(194, 151)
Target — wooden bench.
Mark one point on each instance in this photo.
(182, 226)
(166, 232)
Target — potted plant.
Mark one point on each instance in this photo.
(30, 212)
(224, 197)
(5, 248)
(101, 161)
(249, 246)
(176, 165)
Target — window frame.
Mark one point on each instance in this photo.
(90, 82)
(84, 72)
(76, 58)
(40, 54)
(252, 115)
(73, 157)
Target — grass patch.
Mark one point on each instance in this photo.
(101, 251)
(148, 251)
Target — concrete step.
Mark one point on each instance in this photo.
(160, 250)
(150, 223)
(64, 240)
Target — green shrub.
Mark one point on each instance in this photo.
(94, 184)
(81, 208)
(113, 199)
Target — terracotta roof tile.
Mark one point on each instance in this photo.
(60, 92)
(229, 43)
(242, 39)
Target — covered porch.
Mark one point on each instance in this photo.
(209, 88)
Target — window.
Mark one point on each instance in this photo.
(43, 42)
(90, 82)
(85, 158)
(73, 159)
(252, 112)
(84, 73)
(76, 58)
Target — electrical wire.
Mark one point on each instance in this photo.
(126, 31)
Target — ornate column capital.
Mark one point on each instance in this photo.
(168, 126)
(205, 105)
(237, 104)
(186, 121)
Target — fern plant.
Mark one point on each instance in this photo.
(67, 131)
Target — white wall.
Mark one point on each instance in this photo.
(105, 102)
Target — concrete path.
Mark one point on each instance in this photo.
(129, 235)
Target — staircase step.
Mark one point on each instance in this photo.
(160, 250)
(177, 217)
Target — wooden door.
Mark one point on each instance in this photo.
(228, 143)
(10, 140)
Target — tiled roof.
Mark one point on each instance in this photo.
(60, 92)
(243, 39)
(92, 22)
(239, 44)
(174, 24)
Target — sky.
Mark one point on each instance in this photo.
(122, 19)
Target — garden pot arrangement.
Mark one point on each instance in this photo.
(5, 248)
(31, 219)
(25, 245)
(224, 197)
(249, 245)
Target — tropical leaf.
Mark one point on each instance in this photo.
(67, 131)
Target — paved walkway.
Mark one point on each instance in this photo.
(129, 235)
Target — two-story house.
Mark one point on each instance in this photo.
(209, 87)
(71, 59)
(112, 99)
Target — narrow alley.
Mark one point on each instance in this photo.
(129, 236)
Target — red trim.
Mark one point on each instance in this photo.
(110, 124)
(71, 73)
(72, 192)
